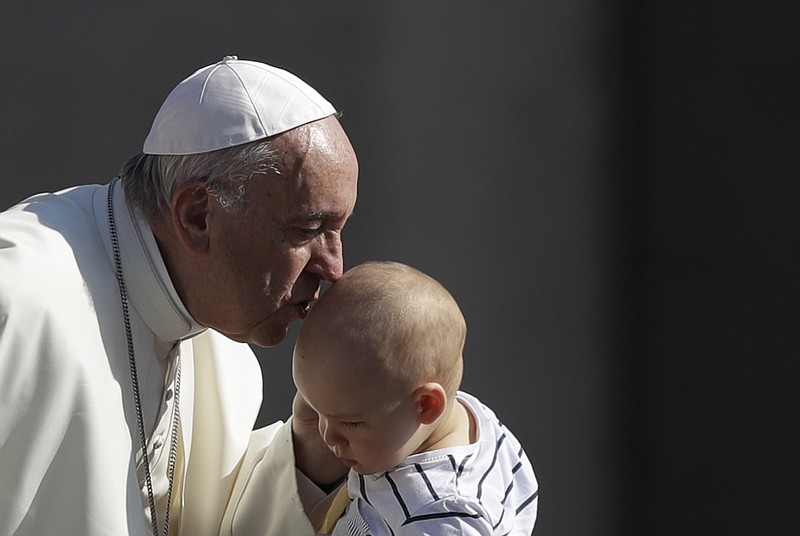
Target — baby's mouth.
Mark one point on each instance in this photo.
(348, 462)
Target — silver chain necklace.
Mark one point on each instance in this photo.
(173, 452)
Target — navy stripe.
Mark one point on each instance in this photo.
(363, 486)
(491, 466)
(508, 490)
(452, 462)
(502, 515)
(441, 515)
(529, 500)
(397, 495)
(353, 529)
(427, 482)
(463, 463)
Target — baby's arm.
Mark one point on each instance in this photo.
(466, 526)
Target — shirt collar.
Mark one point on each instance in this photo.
(150, 289)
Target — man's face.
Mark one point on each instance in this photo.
(267, 262)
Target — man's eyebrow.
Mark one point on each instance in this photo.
(320, 216)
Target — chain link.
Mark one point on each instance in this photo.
(123, 294)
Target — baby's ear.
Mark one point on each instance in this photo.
(431, 401)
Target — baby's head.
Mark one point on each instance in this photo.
(380, 358)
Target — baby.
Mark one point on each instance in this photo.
(379, 358)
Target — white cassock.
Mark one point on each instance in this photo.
(70, 456)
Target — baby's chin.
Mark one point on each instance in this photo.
(360, 469)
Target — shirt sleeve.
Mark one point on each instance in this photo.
(272, 498)
(450, 515)
(443, 527)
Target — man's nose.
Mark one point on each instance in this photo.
(327, 258)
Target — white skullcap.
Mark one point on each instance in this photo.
(230, 103)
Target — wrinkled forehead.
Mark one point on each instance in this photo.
(325, 138)
(307, 190)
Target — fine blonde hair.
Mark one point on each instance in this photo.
(401, 317)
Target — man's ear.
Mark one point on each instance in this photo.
(431, 400)
(191, 206)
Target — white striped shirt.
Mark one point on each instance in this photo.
(486, 488)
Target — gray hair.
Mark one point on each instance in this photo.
(150, 180)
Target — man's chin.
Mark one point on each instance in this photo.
(264, 336)
(273, 329)
(270, 337)
(274, 333)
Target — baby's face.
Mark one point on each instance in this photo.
(370, 424)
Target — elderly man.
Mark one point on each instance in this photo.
(127, 394)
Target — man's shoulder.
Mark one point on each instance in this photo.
(52, 260)
(45, 234)
(47, 220)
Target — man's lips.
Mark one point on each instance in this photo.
(304, 308)
(305, 304)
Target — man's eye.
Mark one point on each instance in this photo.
(307, 233)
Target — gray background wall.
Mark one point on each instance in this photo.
(609, 191)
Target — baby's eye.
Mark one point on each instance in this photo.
(351, 424)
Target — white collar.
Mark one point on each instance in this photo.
(147, 280)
